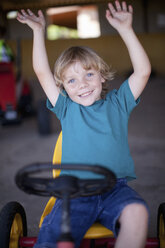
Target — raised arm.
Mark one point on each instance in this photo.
(120, 17)
(40, 59)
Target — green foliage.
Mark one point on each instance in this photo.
(55, 32)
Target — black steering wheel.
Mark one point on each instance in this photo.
(29, 180)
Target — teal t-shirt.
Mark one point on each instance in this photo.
(97, 134)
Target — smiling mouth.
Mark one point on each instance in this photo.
(86, 94)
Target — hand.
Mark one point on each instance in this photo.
(120, 16)
(33, 21)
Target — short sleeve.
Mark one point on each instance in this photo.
(60, 107)
(124, 98)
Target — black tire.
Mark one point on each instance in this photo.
(13, 225)
(43, 118)
(161, 225)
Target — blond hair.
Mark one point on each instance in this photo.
(88, 58)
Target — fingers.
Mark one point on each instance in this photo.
(130, 9)
(20, 17)
(124, 6)
(108, 15)
(30, 12)
(119, 7)
(23, 15)
(40, 14)
(111, 9)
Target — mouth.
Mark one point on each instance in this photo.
(86, 94)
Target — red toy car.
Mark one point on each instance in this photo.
(8, 102)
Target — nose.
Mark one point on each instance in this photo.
(83, 83)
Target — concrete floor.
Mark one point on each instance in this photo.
(22, 145)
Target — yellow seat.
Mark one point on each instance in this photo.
(96, 230)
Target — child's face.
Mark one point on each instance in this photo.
(82, 86)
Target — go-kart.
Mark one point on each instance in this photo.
(13, 106)
(13, 225)
(8, 102)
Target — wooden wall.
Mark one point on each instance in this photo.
(110, 48)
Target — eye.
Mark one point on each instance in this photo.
(90, 74)
(71, 81)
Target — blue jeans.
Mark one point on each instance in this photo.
(105, 208)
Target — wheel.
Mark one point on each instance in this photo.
(75, 187)
(43, 119)
(161, 225)
(13, 225)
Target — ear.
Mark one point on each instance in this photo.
(102, 80)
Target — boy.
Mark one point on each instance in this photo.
(95, 128)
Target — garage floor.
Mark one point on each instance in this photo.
(22, 145)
